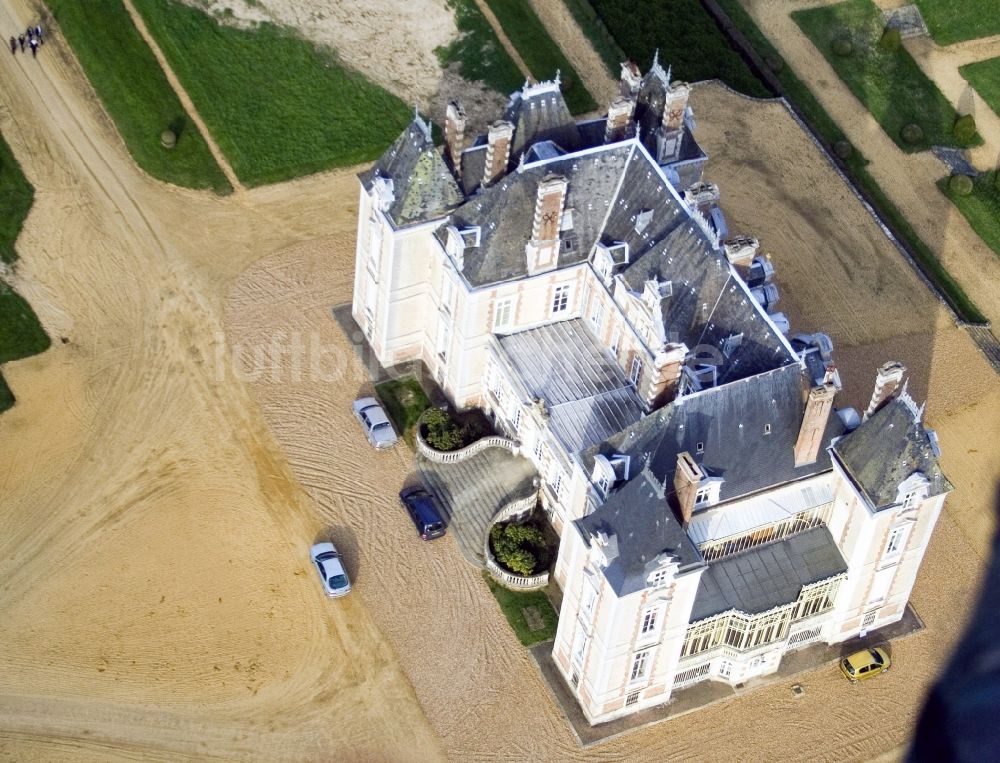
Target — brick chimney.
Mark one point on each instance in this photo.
(887, 382)
(667, 366)
(543, 249)
(498, 141)
(631, 80)
(687, 477)
(675, 105)
(619, 119)
(454, 135)
(819, 403)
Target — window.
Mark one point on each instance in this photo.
(703, 496)
(515, 421)
(579, 645)
(539, 450)
(911, 499)
(503, 315)
(560, 299)
(447, 293)
(639, 666)
(725, 668)
(589, 598)
(603, 484)
(374, 246)
(897, 539)
(635, 372)
(632, 699)
(557, 484)
(616, 338)
(659, 578)
(597, 316)
(648, 622)
(443, 339)
(869, 619)
(699, 448)
(767, 429)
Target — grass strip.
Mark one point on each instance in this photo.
(404, 400)
(981, 208)
(951, 21)
(595, 31)
(513, 603)
(686, 36)
(477, 51)
(855, 165)
(984, 76)
(16, 196)
(278, 106)
(540, 52)
(889, 82)
(136, 93)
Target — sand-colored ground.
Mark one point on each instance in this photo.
(907, 179)
(157, 496)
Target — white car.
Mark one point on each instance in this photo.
(378, 428)
(331, 570)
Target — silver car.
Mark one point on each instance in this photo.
(331, 570)
(378, 428)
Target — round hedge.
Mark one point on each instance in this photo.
(891, 40)
(168, 139)
(843, 149)
(912, 134)
(965, 128)
(843, 46)
(961, 185)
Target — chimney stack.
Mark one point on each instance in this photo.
(817, 413)
(887, 382)
(454, 134)
(675, 105)
(687, 477)
(543, 249)
(498, 141)
(631, 80)
(619, 119)
(667, 366)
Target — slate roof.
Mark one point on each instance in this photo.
(644, 527)
(584, 389)
(767, 576)
(423, 185)
(729, 423)
(886, 449)
(539, 112)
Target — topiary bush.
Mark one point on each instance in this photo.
(960, 185)
(891, 40)
(843, 149)
(965, 128)
(843, 46)
(518, 547)
(912, 134)
(440, 430)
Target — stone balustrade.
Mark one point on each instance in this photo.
(453, 456)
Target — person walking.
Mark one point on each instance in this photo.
(13, 45)
(38, 33)
(20, 39)
(34, 47)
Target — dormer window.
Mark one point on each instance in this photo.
(603, 475)
(709, 491)
(659, 578)
(732, 344)
(654, 292)
(643, 219)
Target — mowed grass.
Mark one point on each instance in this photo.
(513, 603)
(951, 21)
(686, 36)
(135, 92)
(21, 335)
(984, 76)
(855, 164)
(981, 208)
(890, 83)
(477, 52)
(404, 400)
(277, 106)
(540, 52)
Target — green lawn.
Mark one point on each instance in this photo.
(540, 52)
(478, 52)
(404, 401)
(278, 106)
(21, 335)
(856, 164)
(686, 36)
(890, 83)
(135, 92)
(981, 208)
(984, 76)
(512, 604)
(595, 31)
(954, 20)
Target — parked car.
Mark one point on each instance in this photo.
(331, 570)
(865, 664)
(424, 512)
(378, 428)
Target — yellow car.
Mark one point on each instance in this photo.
(865, 664)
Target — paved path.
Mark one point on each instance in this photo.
(185, 99)
(472, 492)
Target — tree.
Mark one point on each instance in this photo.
(965, 128)
(442, 433)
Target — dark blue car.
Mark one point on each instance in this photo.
(424, 512)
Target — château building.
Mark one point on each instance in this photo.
(577, 281)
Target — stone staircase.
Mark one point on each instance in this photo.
(471, 491)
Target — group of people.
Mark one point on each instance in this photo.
(32, 36)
